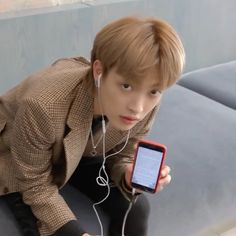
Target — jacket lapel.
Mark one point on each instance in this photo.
(79, 122)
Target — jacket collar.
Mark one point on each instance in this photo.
(79, 122)
(81, 111)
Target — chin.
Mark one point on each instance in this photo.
(126, 128)
(119, 125)
(122, 127)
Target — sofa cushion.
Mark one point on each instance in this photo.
(200, 137)
(216, 82)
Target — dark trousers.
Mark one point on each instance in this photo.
(115, 206)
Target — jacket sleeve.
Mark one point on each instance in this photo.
(32, 140)
(117, 163)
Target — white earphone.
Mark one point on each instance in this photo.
(104, 181)
(98, 81)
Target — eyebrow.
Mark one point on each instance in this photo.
(157, 85)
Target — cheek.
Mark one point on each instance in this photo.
(150, 105)
(111, 98)
(111, 95)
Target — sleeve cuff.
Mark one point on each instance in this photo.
(71, 228)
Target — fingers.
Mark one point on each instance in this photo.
(165, 171)
(165, 178)
(165, 181)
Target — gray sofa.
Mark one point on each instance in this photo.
(197, 122)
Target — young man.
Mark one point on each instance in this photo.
(62, 123)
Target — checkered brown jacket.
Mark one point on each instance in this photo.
(36, 156)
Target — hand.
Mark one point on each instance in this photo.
(165, 178)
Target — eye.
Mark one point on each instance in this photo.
(155, 93)
(126, 87)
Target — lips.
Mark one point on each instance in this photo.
(129, 119)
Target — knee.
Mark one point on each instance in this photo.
(139, 217)
(140, 210)
(137, 220)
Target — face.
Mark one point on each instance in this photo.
(124, 102)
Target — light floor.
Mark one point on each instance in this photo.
(231, 232)
(219, 231)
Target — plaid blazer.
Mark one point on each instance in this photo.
(37, 157)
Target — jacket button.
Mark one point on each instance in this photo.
(5, 190)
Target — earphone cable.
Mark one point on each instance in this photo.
(104, 181)
(128, 210)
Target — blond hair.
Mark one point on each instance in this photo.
(134, 45)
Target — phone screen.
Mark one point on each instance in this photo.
(147, 167)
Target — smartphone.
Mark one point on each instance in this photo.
(148, 161)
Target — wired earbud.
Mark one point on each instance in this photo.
(103, 180)
(97, 84)
(98, 81)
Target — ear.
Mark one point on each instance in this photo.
(97, 69)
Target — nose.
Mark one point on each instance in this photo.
(136, 105)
